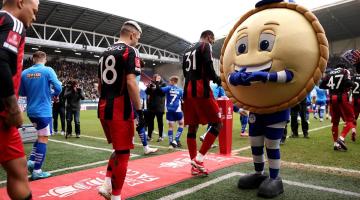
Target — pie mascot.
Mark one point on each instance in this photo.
(270, 60)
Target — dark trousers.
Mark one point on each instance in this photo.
(70, 115)
(150, 121)
(299, 109)
(56, 112)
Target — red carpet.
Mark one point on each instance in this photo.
(143, 175)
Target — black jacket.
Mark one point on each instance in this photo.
(156, 98)
(73, 98)
(61, 102)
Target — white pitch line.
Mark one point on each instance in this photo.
(71, 168)
(310, 166)
(239, 150)
(227, 176)
(200, 186)
(139, 144)
(101, 138)
(311, 130)
(83, 146)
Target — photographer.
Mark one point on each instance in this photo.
(73, 94)
(156, 105)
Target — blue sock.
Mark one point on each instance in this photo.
(244, 121)
(143, 137)
(321, 113)
(40, 155)
(170, 134)
(178, 134)
(33, 151)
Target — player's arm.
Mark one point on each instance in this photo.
(165, 89)
(22, 90)
(82, 93)
(323, 82)
(54, 81)
(7, 94)
(133, 87)
(348, 83)
(283, 76)
(207, 56)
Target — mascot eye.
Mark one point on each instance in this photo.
(267, 41)
(242, 46)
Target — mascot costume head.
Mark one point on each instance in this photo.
(270, 60)
(272, 37)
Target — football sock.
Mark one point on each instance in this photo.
(178, 134)
(143, 136)
(33, 152)
(119, 171)
(110, 168)
(243, 120)
(348, 126)
(40, 155)
(200, 157)
(257, 150)
(208, 141)
(118, 197)
(335, 133)
(170, 134)
(191, 142)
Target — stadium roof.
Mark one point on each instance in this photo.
(340, 21)
(65, 15)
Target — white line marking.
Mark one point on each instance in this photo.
(336, 169)
(200, 186)
(310, 166)
(239, 150)
(71, 168)
(89, 147)
(227, 176)
(82, 146)
(78, 167)
(311, 130)
(139, 144)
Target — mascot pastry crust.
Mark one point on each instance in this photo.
(270, 60)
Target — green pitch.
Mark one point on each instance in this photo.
(312, 163)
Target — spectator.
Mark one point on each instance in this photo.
(73, 94)
(299, 109)
(156, 106)
(58, 108)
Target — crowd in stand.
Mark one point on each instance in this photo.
(85, 74)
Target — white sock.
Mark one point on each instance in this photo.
(146, 147)
(341, 138)
(261, 172)
(353, 130)
(115, 197)
(336, 144)
(108, 181)
(200, 157)
(37, 171)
